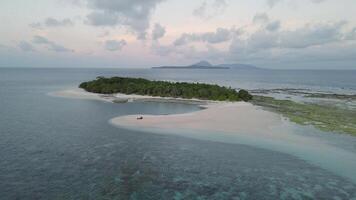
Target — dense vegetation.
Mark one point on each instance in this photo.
(324, 117)
(164, 89)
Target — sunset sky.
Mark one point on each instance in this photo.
(282, 34)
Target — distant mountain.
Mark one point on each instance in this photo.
(207, 65)
(202, 63)
(199, 65)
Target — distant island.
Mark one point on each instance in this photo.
(207, 65)
(184, 90)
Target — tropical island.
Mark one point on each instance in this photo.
(337, 119)
(140, 86)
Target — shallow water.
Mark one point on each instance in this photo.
(56, 148)
(330, 151)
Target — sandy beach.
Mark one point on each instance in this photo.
(225, 117)
(78, 93)
(231, 117)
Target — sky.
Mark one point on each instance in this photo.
(278, 34)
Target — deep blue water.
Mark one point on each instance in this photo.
(57, 148)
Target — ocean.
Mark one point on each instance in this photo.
(58, 148)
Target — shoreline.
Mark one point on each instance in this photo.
(78, 93)
(232, 117)
(215, 116)
(238, 123)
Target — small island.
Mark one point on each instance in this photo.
(206, 65)
(184, 90)
(337, 119)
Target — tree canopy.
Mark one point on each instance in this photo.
(185, 90)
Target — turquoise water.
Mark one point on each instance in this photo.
(56, 148)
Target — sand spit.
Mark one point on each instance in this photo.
(225, 117)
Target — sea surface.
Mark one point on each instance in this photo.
(58, 148)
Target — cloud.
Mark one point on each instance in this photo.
(40, 40)
(52, 22)
(134, 14)
(317, 1)
(209, 53)
(210, 9)
(163, 50)
(311, 35)
(49, 44)
(260, 18)
(114, 45)
(273, 26)
(220, 35)
(25, 46)
(270, 44)
(263, 19)
(158, 32)
(272, 3)
(201, 10)
(264, 44)
(188, 52)
(36, 25)
(351, 35)
(102, 19)
(73, 2)
(104, 34)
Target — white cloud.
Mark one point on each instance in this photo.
(300, 44)
(351, 35)
(158, 32)
(304, 37)
(273, 26)
(317, 1)
(311, 35)
(163, 50)
(209, 9)
(260, 18)
(36, 25)
(102, 19)
(268, 44)
(25, 46)
(114, 45)
(220, 35)
(264, 20)
(52, 22)
(49, 44)
(272, 3)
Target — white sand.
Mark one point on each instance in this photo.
(78, 93)
(226, 117)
